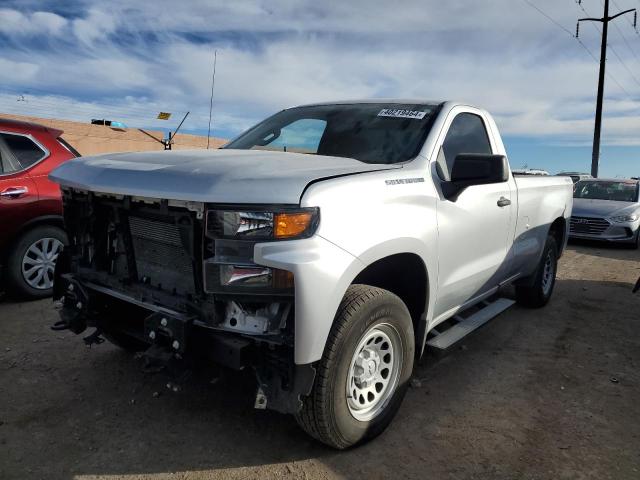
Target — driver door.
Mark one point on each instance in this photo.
(473, 228)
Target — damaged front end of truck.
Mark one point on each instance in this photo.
(177, 281)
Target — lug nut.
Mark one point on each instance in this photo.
(79, 305)
(175, 344)
(152, 335)
(70, 287)
(163, 322)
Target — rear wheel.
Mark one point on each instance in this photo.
(539, 292)
(364, 372)
(32, 261)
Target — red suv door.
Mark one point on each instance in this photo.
(18, 198)
(30, 207)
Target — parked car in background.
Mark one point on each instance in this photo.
(31, 234)
(529, 171)
(607, 210)
(575, 176)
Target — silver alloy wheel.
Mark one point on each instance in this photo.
(374, 372)
(548, 274)
(39, 262)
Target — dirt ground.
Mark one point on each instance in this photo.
(546, 394)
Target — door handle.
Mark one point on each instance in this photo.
(14, 192)
(503, 202)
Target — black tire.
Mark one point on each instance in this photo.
(125, 342)
(539, 292)
(326, 414)
(15, 278)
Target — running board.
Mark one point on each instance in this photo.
(465, 326)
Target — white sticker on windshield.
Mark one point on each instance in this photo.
(400, 113)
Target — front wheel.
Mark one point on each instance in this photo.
(364, 372)
(539, 292)
(32, 261)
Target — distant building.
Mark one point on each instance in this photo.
(91, 139)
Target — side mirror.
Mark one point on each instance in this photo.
(475, 169)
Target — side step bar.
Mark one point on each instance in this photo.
(442, 341)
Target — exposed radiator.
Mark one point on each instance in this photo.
(161, 258)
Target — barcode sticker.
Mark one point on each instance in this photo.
(400, 113)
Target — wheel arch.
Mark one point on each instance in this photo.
(53, 220)
(405, 275)
(558, 230)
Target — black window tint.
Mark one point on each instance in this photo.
(369, 132)
(467, 134)
(23, 149)
(302, 136)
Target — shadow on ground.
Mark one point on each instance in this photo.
(536, 393)
(619, 251)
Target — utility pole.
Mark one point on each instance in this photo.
(595, 158)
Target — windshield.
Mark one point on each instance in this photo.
(617, 191)
(369, 132)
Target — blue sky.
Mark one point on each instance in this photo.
(123, 60)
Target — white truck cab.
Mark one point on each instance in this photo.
(323, 248)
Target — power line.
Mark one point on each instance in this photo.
(635, 79)
(633, 51)
(580, 42)
(548, 17)
(615, 52)
(605, 20)
(635, 29)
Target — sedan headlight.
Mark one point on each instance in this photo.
(625, 218)
(230, 237)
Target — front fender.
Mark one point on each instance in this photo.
(322, 273)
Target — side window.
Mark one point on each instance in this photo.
(23, 149)
(301, 136)
(8, 162)
(467, 134)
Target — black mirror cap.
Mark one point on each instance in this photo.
(475, 169)
(481, 168)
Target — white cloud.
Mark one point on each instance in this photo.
(13, 22)
(152, 56)
(11, 71)
(96, 25)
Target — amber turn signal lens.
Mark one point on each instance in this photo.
(282, 279)
(291, 224)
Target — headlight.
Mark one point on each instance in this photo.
(230, 237)
(625, 218)
(262, 225)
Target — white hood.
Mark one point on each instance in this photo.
(214, 176)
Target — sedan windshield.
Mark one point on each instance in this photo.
(369, 132)
(616, 191)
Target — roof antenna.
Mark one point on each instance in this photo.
(213, 82)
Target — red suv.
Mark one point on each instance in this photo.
(31, 234)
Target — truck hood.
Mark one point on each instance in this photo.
(583, 207)
(215, 176)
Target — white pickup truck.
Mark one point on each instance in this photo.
(324, 248)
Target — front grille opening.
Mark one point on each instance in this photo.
(588, 225)
(160, 255)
